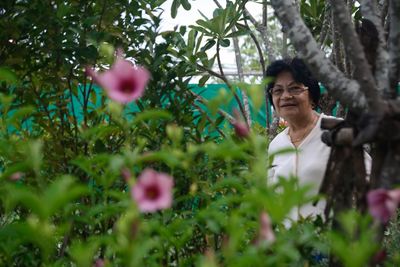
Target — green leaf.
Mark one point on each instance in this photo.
(210, 43)
(238, 33)
(174, 8)
(152, 114)
(203, 80)
(186, 5)
(8, 76)
(191, 42)
(35, 156)
(206, 24)
(20, 114)
(198, 43)
(225, 42)
(27, 198)
(83, 253)
(61, 192)
(201, 29)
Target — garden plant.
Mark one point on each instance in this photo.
(109, 158)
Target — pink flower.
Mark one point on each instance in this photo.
(126, 174)
(123, 82)
(379, 257)
(266, 233)
(153, 191)
(283, 123)
(382, 204)
(241, 129)
(240, 126)
(16, 176)
(99, 263)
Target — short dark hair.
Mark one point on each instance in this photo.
(300, 72)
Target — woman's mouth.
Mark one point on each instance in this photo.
(287, 105)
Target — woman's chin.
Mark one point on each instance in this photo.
(289, 112)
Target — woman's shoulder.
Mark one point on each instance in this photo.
(279, 141)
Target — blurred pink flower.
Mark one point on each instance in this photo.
(126, 174)
(153, 191)
(123, 82)
(283, 123)
(382, 203)
(266, 233)
(241, 129)
(99, 263)
(240, 126)
(379, 257)
(16, 176)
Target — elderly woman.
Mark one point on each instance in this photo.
(294, 94)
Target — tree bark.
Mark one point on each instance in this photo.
(370, 12)
(394, 46)
(347, 91)
(355, 52)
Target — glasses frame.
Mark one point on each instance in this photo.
(290, 92)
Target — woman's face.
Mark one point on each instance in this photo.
(291, 106)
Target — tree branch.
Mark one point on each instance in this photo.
(355, 52)
(208, 118)
(347, 91)
(394, 45)
(220, 111)
(262, 29)
(225, 80)
(239, 66)
(369, 11)
(258, 47)
(219, 60)
(325, 27)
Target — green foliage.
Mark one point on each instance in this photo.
(312, 11)
(355, 243)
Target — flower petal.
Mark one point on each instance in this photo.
(157, 182)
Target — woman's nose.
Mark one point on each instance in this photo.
(286, 95)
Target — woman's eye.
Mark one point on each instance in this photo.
(277, 91)
(294, 89)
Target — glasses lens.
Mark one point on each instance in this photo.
(296, 90)
(277, 91)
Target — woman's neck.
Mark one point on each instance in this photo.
(299, 124)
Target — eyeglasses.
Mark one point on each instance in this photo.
(293, 90)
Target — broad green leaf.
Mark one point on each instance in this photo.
(203, 80)
(225, 42)
(152, 114)
(191, 42)
(174, 8)
(61, 192)
(198, 43)
(210, 43)
(83, 253)
(26, 197)
(8, 76)
(186, 5)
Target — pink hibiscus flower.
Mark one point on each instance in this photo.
(153, 191)
(382, 203)
(124, 82)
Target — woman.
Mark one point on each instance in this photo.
(294, 94)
